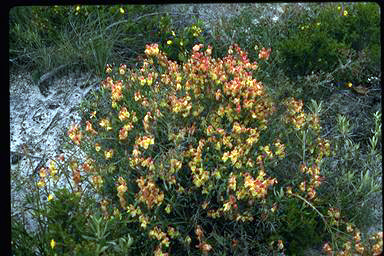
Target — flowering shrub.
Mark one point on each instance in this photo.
(197, 158)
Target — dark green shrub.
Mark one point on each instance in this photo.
(316, 41)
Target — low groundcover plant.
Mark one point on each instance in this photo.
(196, 158)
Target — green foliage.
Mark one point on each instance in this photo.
(66, 219)
(176, 42)
(308, 52)
(22, 242)
(354, 182)
(302, 227)
(315, 42)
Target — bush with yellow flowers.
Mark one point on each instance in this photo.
(196, 158)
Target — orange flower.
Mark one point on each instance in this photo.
(197, 47)
(108, 68)
(123, 133)
(76, 176)
(43, 172)
(327, 249)
(199, 232)
(205, 248)
(302, 186)
(152, 49)
(359, 248)
(89, 128)
(122, 69)
(97, 181)
(264, 53)
(123, 114)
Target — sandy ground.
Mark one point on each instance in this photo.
(37, 126)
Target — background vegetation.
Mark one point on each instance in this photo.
(324, 55)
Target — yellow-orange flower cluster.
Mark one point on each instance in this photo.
(199, 175)
(123, 114)
(105, 123)
(357, 246)
(76, 177)
(122, 69)
(295, 115)
(121, 189)
(314, 181)
(264, 53)
(89, 128)
(149, 193)
(151, 50)
(97, 181)
(75, 134)
(43, 174)
(203, 246)
(157, 233)
(117, 91)
(254, 188)
(145, 141)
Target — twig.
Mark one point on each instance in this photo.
(23, 154)
(50, 74)
(52, 123)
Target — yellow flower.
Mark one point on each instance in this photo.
(52, 168)
(196, 48)
(53, 243)
(280, 244)
(168, 208)
(169, 42)
(108, 154)
(349, 228)
(106, 124)
(50, 197)
(97, 147)
(122, 10)
(43, 173)
(359, 248)
(78, 8)
(345, 13)
(93, 114)
(41, 183)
